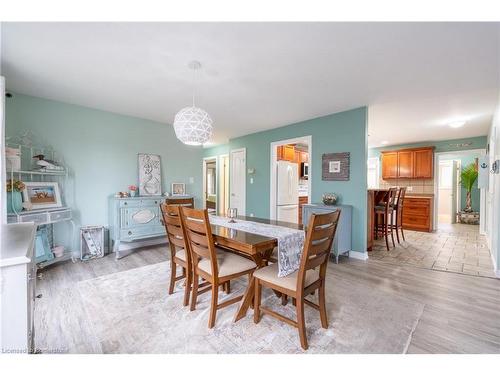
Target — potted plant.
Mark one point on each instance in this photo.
(14, 196)
(468, 177)
(132, 190)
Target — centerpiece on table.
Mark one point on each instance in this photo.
(14, 196)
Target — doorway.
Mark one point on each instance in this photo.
(210, 183)
(448, 191)
(449, 194)
(290, 169)
(237, 177)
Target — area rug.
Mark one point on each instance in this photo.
(131, 312)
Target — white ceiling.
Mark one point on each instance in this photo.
(415, 77)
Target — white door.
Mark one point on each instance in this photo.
(445, 191)
(289, 213)
(455, 193)
(237, 179)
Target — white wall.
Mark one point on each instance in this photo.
(493, 199)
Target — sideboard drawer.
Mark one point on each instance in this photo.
(60, 215)
(140, 232)
(37, 218)
(141, 202)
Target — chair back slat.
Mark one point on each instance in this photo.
(317, 260)
(178, 242)
(175, 232)
(199, 236)
(317, 246)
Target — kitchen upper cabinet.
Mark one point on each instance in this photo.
(389, 165)
(408, 163)
(423, 163)
(405, 164)
(287, 153)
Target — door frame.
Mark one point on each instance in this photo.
(273, 164)
(220, 197)
(482, 193)
(205, 161)
(244, 175)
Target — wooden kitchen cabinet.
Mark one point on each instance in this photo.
(288, 153)
(408, 163)
(423, 163)
(389, 165)
(417, 213)
(405, 164)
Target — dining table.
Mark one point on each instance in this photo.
(257, 247)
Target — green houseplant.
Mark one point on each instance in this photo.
(468, 177)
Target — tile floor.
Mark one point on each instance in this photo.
(453, 247)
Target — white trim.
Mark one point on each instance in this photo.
(204, 197)
(482, 196)
(358, 255)
(273, 165)
(219, 195)
(244, 174)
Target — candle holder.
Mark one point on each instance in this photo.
(232, 213)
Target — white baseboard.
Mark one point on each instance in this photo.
(358, 255)
(138, 244)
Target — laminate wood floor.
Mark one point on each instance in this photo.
(461, 313)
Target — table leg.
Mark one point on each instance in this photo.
(250, 291)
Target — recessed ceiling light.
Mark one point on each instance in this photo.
(456, 124)
(385, 142)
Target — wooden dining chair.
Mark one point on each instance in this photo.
(383, 217)
(211, 263)
(179, 251)
(310, 276)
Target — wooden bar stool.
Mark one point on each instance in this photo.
(397, 224)
(383, 217)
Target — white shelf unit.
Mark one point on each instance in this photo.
(29, 172)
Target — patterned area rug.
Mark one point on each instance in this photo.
(131, 312)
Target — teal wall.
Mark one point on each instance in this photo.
(340, 132)
(101, 150)
(447, 146)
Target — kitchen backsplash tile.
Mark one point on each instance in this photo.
(418, 186)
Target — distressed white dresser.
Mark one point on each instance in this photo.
(17, 288)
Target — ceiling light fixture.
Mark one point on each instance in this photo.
(193, 125)
(456, 124)
(385, 142)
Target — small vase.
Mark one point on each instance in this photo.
(132, 193)
(14, 202)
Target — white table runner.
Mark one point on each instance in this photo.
(290, 241)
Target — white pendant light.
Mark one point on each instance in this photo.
(193, 125)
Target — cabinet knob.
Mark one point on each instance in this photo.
(39, 296)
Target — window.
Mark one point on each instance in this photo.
(373, 173)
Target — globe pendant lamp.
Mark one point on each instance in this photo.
(193, 125)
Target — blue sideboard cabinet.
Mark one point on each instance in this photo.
(135, 220)
(343, 238)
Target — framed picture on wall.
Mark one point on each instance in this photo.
(42, 195)
(178, 188)
(149, 174)
(336, 166)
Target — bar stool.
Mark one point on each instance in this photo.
(383, 217)
(397, 224)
